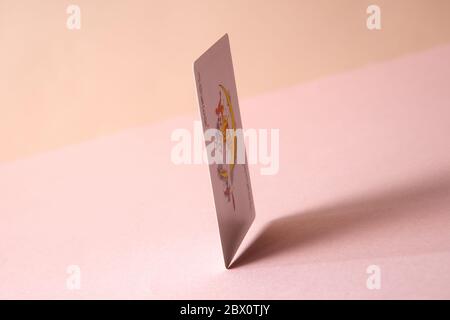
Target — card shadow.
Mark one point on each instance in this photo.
(325, 223)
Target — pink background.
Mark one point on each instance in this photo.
(364, 179)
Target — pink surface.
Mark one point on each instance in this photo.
(364, 179)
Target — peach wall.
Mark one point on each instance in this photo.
(131, 62)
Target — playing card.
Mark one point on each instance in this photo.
(222, 128)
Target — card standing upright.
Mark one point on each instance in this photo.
(224, 142)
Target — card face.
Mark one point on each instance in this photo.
(222, 128)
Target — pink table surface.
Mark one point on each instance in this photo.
(364, 179)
